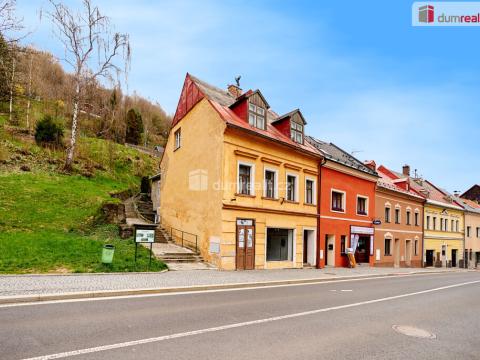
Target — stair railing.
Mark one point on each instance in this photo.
(187, 239)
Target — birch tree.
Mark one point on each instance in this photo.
(91, 49)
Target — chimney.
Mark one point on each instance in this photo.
(406, 170)
(234, 90)
(370, 164)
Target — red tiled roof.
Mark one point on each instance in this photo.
(222, 100)
(388, 183)
(423, 188)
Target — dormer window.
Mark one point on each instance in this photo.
(296, 132)
(256, 116)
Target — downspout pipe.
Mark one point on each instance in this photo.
(319, 197)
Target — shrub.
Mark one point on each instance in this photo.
(134, 127)
(47, 131)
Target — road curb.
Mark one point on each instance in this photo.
(196, 288)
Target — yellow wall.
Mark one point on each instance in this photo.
(185, 204)
(434, 239)
(242, 147)
(209, 149)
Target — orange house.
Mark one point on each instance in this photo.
(347, 207)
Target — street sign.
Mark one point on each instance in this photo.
(377, 222)
(145, 236)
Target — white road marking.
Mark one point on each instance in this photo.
(191, 292)
(237, 325)
(346, 290)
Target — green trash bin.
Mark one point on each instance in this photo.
(107, 254)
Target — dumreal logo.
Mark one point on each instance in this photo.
(426, 14)
(446, 14)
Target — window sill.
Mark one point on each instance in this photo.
(245, 195)
(269, 198)
(362, 214)
(177, 148)
(291, 202)
(338, 211)
(309, 204)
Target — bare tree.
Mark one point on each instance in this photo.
(91, 50)
(9, 22)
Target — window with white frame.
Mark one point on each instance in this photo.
(428, 223)
(452, 228)
(408, 220)
(338, 200)
(416, 248)
(387, 214)
(468, 231)
(296, 132)
(270, 184)
(362, 205)
(456, 226)
(291, 187)
(309, 191)
(178, 138)
(416, 218)
(256, 116)
(245, 178)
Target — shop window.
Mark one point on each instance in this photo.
(279, 244)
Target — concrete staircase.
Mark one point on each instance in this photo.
(139, 209)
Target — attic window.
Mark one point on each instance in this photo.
(296, 132)
(256, 116)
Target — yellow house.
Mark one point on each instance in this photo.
(238, 181)
(443, 226)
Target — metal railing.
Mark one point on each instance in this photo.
(185, 239)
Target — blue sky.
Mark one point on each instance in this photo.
(363, 77)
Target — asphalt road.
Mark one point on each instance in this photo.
(338, 320)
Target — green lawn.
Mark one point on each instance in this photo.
(47, 225)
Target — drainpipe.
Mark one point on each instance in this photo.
(319, 196)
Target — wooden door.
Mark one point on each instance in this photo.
(245, 254)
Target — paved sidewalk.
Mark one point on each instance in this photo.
(20, 285)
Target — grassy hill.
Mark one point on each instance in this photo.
(49, 220)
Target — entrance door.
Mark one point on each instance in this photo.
(330, 250)
(245, 254)
(454, 257)
(429, 258)
(396, 253)
(363, 249)
(408, 252)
